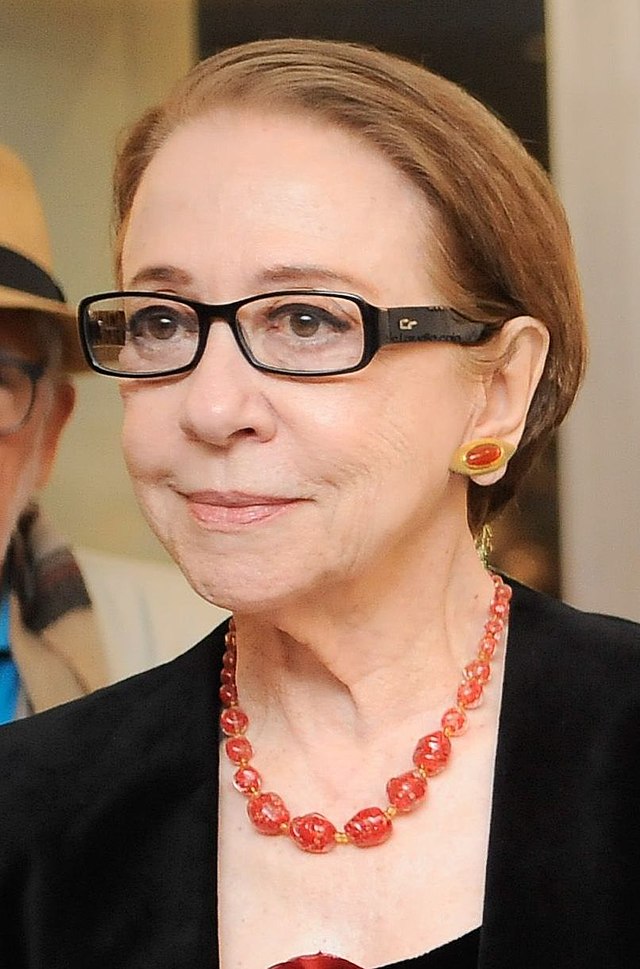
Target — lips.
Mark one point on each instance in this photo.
(232, 509)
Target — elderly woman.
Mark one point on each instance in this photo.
(348, 320)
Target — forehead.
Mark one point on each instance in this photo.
(239, 190)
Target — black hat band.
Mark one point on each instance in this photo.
(18, 272)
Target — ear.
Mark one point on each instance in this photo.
(519, 351)
(61, 408)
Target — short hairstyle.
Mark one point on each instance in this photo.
(504, 246)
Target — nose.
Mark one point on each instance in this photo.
(225, 398)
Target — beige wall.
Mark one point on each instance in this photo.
(74, 72)
(594, 88)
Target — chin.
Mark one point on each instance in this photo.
(245, 589)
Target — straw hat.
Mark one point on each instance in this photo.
(26, 280)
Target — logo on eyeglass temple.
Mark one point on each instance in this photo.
(406, 324)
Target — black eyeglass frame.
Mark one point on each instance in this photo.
(35, 372)
(382, 327)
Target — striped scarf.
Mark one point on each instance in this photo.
(55, 640)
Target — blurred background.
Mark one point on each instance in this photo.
(565, 74)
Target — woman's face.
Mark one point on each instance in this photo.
(267, 488)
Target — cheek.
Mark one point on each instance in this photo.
(146, 431)
(410, 420)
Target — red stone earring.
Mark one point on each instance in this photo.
(482, 456)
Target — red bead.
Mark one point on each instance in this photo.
(233, 721)
(268, 813)
(469, 694)
(503, 591)
(227, 676)
(368, 828)
(406, 791)
(229, 660)
(494, 627)
(483, 455)
(488, 646)
(501, 609)
(454, 721)
(238, 749)
(228, 694)
(313, 833)
(478, 670)
(247, 780)
(432, 753)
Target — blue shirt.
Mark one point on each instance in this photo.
(9, 678)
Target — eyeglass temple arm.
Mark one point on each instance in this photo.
(424, 324)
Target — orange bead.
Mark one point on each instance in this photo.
(454, 721)
(407, 791)
(228, 694)
(488, 645)
(494, 627)
(233, 721)
(268, 813)
(478, 670)
(238, 749)
(368, 828)
(247, 780)
(313, 833)
(432, 753)
(469, 694)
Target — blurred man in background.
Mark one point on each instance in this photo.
(69, 622)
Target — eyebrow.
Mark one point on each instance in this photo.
(304, 275)
(311, 275)
(161, 274)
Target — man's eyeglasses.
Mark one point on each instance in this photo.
(18, 381)
(299, 333)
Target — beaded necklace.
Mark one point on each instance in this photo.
(371, 826)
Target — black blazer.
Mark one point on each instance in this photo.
(108, 811)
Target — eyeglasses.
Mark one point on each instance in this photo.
(18, 380)
(299, 333)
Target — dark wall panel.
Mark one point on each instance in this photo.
(494, 48)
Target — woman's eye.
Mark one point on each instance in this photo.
(304, 324)
(157, 323)
(308, 321)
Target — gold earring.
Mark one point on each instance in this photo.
(484, 545)
(482, 456)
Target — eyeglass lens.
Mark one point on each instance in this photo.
(16, 396)
(287, 332)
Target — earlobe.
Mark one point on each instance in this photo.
(520, 351)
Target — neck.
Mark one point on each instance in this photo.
(366, 653)
(331, 769)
